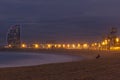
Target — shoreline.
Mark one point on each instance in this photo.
(105, 68)
(21, 59)
(74, 52)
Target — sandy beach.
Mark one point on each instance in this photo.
(107, 67)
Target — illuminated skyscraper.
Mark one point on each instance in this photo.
(13, 37)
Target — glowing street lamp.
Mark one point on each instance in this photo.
(68, 45)
(95, 44)
(106, 42)
(23, 45)
(73, 45)
(55, 45)
(59, 45)
(36, 46)
(9, 45)
(103, 43)
(117, 39)
(99, 45)
(78, 45)
(49, 45)
(63, 45)
(85, 46)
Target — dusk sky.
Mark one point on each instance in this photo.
(60, 20)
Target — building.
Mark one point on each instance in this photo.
(112, 36)
(13, 37)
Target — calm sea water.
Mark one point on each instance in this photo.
(17, 59)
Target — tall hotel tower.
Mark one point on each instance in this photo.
(13, 37)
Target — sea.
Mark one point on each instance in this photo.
(19, 59)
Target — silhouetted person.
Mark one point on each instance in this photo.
(98, 56)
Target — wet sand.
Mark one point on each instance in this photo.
(107, 67)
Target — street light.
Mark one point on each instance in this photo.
(23, 45)
(36, 46)
(117, 40)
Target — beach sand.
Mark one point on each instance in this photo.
(107, 67)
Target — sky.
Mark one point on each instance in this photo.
(60, 20)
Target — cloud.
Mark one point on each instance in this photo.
(65, 18)
(48, 9)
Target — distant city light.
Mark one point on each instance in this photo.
(9, 45)
(59, 45)
(95, 44)
(85, 46)
(106, 42)
(55, 46)
(36, 45)
(23, 45)
(73, 46)
(110, 42)
(68, 45)
(78, 45)
(114, 48)
(103, 43)
(63, 45)
(117, 39)
(49, 45)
